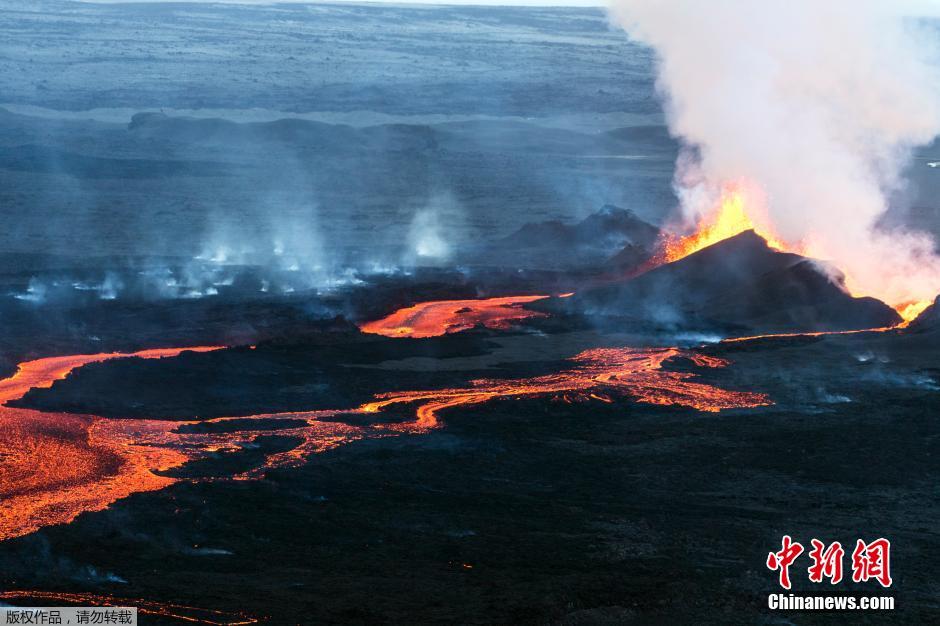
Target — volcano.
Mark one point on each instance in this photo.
(739, 282)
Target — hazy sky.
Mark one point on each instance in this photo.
(911, 7)
(566, 3)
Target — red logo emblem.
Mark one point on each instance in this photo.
(783, 559)
(869, 561)
(827, 562)
(872, 560)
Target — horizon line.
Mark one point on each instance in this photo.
(562, 4)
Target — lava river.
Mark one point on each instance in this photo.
(439, 317)
(54, 466)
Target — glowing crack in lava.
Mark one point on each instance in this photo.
(439, 317)
(599, 373)
(54, 466)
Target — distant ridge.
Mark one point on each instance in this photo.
(554, 244)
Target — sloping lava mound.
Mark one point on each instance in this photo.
(740, 282)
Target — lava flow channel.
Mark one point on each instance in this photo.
(54, 466)
(439, 317)
(636, 373)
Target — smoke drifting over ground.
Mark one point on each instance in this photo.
(815, 105)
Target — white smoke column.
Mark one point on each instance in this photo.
(817, 102)
(425, 235)
(434, 230)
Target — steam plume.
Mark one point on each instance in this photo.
(433, 230)
(817, 104)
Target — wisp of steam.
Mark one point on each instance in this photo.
(818, 105)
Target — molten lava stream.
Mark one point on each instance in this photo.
(57, 465)
(632, 372)
(431, 319)
(53, 467)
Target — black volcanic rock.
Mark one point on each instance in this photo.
(739, 282)
(610, 225)
(630, 256)
(558, 245)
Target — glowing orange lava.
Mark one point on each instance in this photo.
(54, 466)
(731, 219)
(431, 319)
(909, 315)
(910, 310)
(818, 333)
(636, 373)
